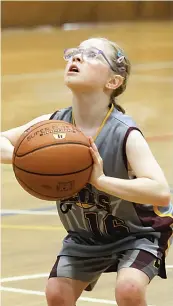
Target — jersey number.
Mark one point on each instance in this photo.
(112, 225)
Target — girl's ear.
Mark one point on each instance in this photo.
(114, 82)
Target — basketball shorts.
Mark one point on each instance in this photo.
(90, 269)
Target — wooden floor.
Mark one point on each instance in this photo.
(32, 84)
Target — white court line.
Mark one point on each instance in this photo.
(85, 299)
(23, 277)
(40, 275)
(28, 212)
(16, 290)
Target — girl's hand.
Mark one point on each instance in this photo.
(97, 171)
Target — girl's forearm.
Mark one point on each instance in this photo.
(6, 150)
(139, 190)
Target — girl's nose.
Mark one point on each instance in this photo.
(77, 58)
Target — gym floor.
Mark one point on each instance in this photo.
(32, 85)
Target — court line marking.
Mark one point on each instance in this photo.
(36, 276)
(23, 277)
(44, 209)
(41, 293)
(28, 212)
(50, 207)
(32, 227)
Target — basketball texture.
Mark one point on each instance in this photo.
(52, 160)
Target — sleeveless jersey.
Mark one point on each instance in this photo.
(98, 223)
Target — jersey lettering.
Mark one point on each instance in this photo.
(86, 199)
(113, 226)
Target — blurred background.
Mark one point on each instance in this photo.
(56, 13)
(33, 37)
(35, 33)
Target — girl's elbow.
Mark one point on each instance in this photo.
(165, 198)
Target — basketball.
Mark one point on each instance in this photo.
(52, 160)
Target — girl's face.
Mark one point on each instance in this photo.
(88, 66)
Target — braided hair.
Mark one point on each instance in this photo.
(121, 66)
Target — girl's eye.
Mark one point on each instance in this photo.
(70, 54)
(74, 53)
(91, 54)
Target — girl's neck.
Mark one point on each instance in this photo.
(89, 111)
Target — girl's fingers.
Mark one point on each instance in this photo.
(94, 156)
(94, 147)
(91, 140)
(92, 152)
(93, 144)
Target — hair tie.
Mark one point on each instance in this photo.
(119, 53)
(120, 59)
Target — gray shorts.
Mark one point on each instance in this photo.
(90, 269)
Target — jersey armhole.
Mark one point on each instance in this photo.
(124, 144)
(53, 115)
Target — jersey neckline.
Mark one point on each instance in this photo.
(102, 124)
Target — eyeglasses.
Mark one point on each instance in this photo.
(87, 54)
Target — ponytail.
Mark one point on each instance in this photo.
(117, 106)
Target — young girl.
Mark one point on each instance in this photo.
(122, 220)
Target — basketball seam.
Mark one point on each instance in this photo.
(50, 145)
(51, 174)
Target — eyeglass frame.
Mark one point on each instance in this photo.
(100, 52)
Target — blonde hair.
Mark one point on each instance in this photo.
(122, 66)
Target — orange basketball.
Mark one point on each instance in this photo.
(52, 160)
